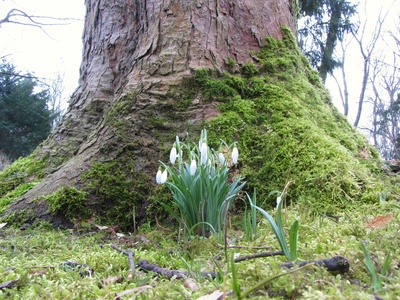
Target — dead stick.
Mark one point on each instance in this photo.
(250, 247)
(163, 228)
(145, 265)
(257, 255)
(336, 264)
(131, 260)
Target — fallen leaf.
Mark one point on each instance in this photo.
(140, 289)
(379, 221)
(111, 280)
(2, 225)
(99, 227)
(39, 272)
(191, 284)
(214, 296)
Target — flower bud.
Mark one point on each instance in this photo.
(203, 153)
(235, 155)
(164, 177)
(221, 158)
(173, 155)
(193, 167)
(158, 176)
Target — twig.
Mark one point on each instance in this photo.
(250, 247)
(162, 228)
(334, 264)
(257, 255)
(145, 265)
(130, 259)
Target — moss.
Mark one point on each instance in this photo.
(117, 191)
(17, 219)
(20, 177)
(69, 202)
(13, 194)
(288, 130)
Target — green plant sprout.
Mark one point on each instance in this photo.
(376, 279)
(289, 251)
(200, 190)
(250, 220)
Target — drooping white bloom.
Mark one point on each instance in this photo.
(278, 200)
(235, 155)
(193, 166)
(158, 176)
(221, 158)
(164, 177)
(173, 155)
(203, 153)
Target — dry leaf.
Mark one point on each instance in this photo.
(38, 272)
(111, 280)
(99, 227)
(379, 221)
(214, 296)
(191, 284)
(140, 289)
(2, 225)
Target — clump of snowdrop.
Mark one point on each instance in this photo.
(198, 179)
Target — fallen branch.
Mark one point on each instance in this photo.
(162, 228)
(334, 264)
(257, 255)
(145, 265)
(130, 259)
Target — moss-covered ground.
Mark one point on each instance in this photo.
(35, 262)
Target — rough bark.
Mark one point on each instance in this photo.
(143, 50)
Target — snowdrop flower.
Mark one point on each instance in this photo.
(193, 167)
(203, 153)
(173, 155)
(164, 177)
(221, 158)
(235, 155)
(278, 200)
(158, 176)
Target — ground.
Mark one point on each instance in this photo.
(80, 262)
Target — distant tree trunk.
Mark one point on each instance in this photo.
(142, 50)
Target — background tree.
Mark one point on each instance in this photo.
(25, 120)
(323, 23)
(155, 69)
(385, 82)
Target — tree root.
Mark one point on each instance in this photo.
(145, 265)
(335, 264)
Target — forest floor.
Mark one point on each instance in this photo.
(92, 261)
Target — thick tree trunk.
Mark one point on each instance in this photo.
(142, 51)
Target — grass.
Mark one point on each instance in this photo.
(32, 259)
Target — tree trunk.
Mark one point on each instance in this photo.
(142, 83)
(142, 51)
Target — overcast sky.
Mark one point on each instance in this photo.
(59, 49)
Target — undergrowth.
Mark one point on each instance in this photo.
(37, 262)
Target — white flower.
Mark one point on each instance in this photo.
(203, 153)
(164, 177)
(235, 155)
(173, 155)
(278, 200)
(221, 158)
(193, 167)
(158, 176)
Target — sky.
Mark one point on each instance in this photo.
(59, 50)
